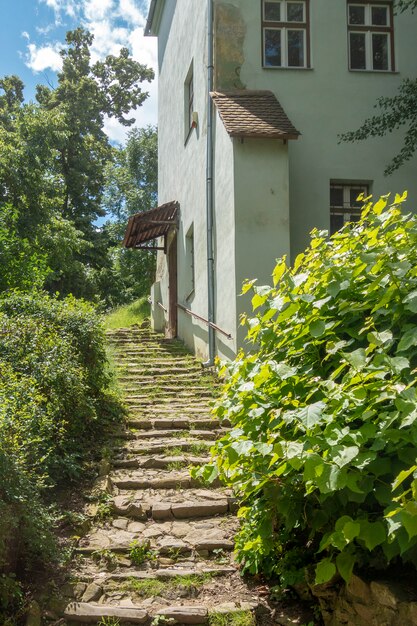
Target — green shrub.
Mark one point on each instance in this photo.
(323, 448)
(55, 409)
(53, 402)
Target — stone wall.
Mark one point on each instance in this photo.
(362, 603)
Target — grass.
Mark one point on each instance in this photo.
(127, 315)
(152, 587)
(237, 618)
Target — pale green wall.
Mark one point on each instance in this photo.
(251, 222)
(325, 101)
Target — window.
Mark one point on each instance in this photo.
(189, 101)
(371, 37)
(189, 280)
(286, 38)
(344, 206)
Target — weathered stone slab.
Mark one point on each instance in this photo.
(186, 614)
(199, 509)
(162, 511)
(92, 613)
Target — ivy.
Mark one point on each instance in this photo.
(323, 448)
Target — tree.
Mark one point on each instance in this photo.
(85, 94)
(394, 112)
(53, 158)
(131, 186)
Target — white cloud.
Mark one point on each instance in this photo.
(114, 24)
(43, 57)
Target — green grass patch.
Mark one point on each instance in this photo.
(128, 315)
(238, 618)
(152, 587)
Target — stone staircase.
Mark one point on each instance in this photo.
(160, 549)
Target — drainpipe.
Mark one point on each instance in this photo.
(209, 186)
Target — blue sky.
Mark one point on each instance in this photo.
(32, 32)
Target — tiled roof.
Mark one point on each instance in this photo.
(253, 114)
(149, 225)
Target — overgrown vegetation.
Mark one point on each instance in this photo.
(60, 173)
(323, 447)
(129, 314)
(54, 408)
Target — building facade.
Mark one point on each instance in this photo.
(257, 164)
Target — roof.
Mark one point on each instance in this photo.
(149, 225)
(250, 113)
(154, 16)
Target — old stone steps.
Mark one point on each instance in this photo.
(176, 424)
(160, 542)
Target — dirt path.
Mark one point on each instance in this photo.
(162, 553)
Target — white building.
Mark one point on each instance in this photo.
(249, 170)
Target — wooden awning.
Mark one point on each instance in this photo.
(149, 225)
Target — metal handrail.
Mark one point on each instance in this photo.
(158, 304)
(203, 319)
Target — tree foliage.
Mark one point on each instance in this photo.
(131, 186)
(323, 447)
(54, 156)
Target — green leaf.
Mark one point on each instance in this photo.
(343, 455)
(325, 570)
(372, 534)
(317, 328)
(402, 476)
(408, 340)
(410, 301)
(357, 359)
(345, 563)
(310, 415)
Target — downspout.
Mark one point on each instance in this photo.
(209, 186)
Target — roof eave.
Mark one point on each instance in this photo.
(282, 136)
(154, 18)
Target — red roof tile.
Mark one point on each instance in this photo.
(253, 114)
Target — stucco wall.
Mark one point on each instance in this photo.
(261, 212)
(182, 164)
(323, 102)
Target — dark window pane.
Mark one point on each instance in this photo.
(336, 223)
(295, 12)
(357, 51)
(354, 193)
(336, 196)
(272, 11)
(356, 15)
(354, 217)
(380, 52)
(273, 57)
(379, 16)
(295, 48)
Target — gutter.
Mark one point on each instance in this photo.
(209, 187)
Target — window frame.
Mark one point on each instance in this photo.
(368, 29)
(347, 210)
(189, 93)
(284, 26)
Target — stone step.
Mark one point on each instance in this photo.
(165, 396)
(176, 434)
(183, 614)
(153, 479)
(160, 462)
(181, 424)
(171, 504)
(164, 411)
(165, 537)
(158, 446)
(87, 613)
